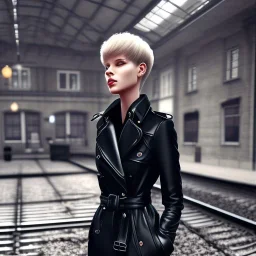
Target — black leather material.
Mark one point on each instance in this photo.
(128, 168)
(114, 203)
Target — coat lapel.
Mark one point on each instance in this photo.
(115, 151)
(129, 138)
(107, 144)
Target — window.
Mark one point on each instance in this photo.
(60, 127)
(22, 127)
(71, 125)
(77, 125)
(231, 120)
(155, 88)
(12, 125)
(192, 78)
(232, 63)
(20, 78)
(166, 84)
(191, 121)
(68, 80)
(32, 126)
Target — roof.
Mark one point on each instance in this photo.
(82, 25)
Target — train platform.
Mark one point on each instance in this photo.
(36, 167)
(235, 175)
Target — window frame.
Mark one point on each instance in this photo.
(73, 113)
(20, 69)
(166, 90)
(12, 140)
(39, 126)
(67, 74)
(190, 87)
(184, 131)
(228, 61)
(155, 88)
(67, 137)
(230, 103)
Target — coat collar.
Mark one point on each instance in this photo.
(115, 151)
(138, 109)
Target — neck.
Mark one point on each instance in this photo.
(126, 99)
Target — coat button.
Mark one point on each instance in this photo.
(124, 215)
(98, 156)
(123, 194)
(130, 176)
(139, 121)
(97, 231)
(140, 243)
(139, 154)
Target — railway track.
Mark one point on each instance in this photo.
(26, 237)
(229, 233)
(25, 225)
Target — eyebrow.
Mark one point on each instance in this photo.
(116, 60)
(119, 59)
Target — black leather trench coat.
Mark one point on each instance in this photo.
(126, 223)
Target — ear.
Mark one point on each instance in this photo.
(142, 69)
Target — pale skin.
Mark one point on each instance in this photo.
(128, 77)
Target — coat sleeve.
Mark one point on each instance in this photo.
(166, 157)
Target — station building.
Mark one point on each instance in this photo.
(204, 75)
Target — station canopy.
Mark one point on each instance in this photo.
(82, 25)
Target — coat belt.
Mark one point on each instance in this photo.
(116, 203)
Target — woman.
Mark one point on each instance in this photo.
(134, 145)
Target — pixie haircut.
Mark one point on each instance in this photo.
(130, 45)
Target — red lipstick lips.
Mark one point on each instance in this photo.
(111, 81)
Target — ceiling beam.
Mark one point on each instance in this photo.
(103, 5)
(85, 24)
(34, 36)
(58, 34)
(106, 33)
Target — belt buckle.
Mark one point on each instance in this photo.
(113, 202)
(119, 246)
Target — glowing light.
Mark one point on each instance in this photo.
(51, 119)
(14, 107)
(6, 72)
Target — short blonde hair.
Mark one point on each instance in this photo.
(132, 46)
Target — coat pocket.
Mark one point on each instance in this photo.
(158, 245)
(140, 154)
(92, 223)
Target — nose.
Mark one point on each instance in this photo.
(108, 72)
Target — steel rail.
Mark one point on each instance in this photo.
(218, 211)
(21, 227)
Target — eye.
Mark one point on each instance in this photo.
(120, 63)
(106, 68)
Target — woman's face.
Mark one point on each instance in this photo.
(121, 74)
